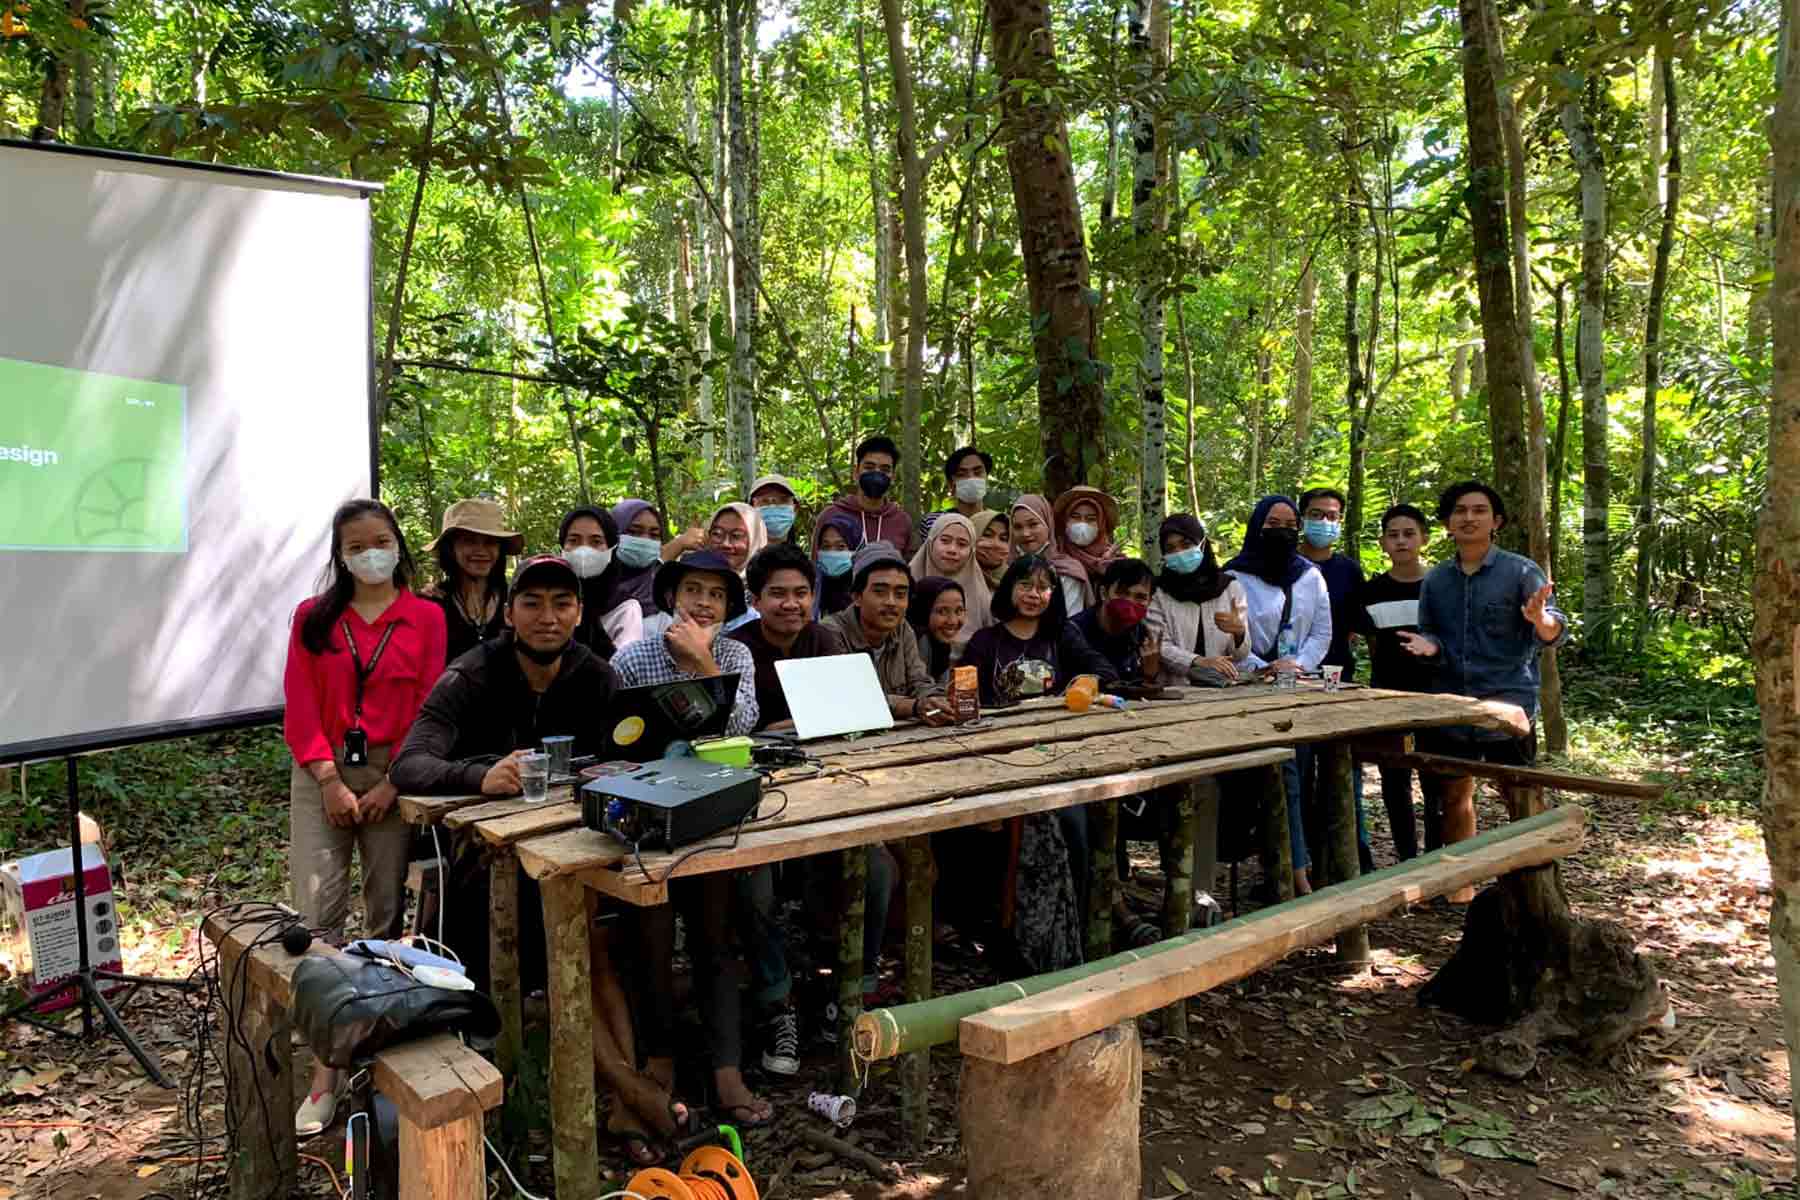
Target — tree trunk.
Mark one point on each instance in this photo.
(1777, 635)
(397, 311)
(1590, 368)
(1149, 222)
(740, 29)
(1300, 398)
(699, 276)
(1559, 445)
(1653, 323)
(1355, 382)
(912, 219)
(1070, 397)
(1505, 370)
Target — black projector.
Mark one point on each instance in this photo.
(670, 802)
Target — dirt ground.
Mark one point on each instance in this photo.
(1295, 1083)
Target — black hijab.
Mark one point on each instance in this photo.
(600, 594)
(1198, 586)
(1277, 570)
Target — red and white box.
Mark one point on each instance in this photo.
(37, 914)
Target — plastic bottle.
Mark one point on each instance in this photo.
(1286, 647)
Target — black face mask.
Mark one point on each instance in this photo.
(874, 484)
(542, 658)
(1279, 545)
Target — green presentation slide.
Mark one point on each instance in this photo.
(91, 461)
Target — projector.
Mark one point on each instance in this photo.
(670, 802)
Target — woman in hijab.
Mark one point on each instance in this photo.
(736, 530)
(1033, 528)
(589, 538)
(1198, 611)
(993, 545)
(835, 541)
(936, 613)
(949, 551)
(1085, 520)
(639, 554)
(1288, 607)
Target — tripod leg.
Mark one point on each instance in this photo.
(152, 1066)
(23, 1009)
(186, 985)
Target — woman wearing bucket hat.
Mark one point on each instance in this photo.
(471, 552)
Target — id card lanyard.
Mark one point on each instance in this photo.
(364, 674)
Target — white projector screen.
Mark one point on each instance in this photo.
(185, 358)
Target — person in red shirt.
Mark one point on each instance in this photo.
(362, 657)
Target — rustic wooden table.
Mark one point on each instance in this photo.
(903, 785)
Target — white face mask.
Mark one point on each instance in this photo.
(971, 491)
(1082, 533)
(373, 566)
(587, 561)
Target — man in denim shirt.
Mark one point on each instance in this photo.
(1483, 618)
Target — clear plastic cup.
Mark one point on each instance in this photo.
(534, 777)
(1287, 678)
(560, 748)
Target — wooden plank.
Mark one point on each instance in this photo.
(271, 967)
(436, 1080)
(915, 1069)
(1016, 1031)
(1178, 887)
(429, 810)
(1278, 842)
(508, 829)
(442, 1162)
(1567, 781)
(1335, 765)
(854, 864)
(266, 1161)
(568, 915)
(962, 767)
(503, 959)
(802, 841)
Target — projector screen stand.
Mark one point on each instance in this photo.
(87, 978)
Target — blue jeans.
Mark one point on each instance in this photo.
(1291, 773)
(765, 948)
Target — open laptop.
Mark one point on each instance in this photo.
(833, 695)
(646, 721)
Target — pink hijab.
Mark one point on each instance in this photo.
(1062, 562)
(976, 593)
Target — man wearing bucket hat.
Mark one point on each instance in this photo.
(471, 552)
(705, 595)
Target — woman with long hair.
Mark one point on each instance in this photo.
(610, 620)
(949, 551)
(471, 552)
(936, 611)
(362, 656)
(1033, 529)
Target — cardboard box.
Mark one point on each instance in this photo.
(37, 913)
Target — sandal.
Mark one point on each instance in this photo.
(638, 1147)
(315, 1115)
(739, 1121)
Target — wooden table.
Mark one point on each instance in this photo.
(908, 783)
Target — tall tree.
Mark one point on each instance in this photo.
(1071, 428)
(1590, 368)
(740, 31)
(882, 291)
(1777, 637)
(912, 223)
(1149, 222)
(1653, 331)
(1300, 394)
(1486, 197)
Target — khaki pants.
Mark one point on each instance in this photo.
(319, 854)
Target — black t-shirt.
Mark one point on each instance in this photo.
(770, 699)
(1385, 608)
(1125, 651)
(1342, 579)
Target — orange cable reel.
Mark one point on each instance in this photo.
(709, 1173)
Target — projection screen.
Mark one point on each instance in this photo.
(185, 359)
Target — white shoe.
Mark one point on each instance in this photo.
(315, 1115)
(781, 1052)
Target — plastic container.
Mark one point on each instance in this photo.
(731, 751)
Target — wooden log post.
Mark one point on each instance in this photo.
(850, 965)
(1278, 848)
(503, 959)
(1103, 876)
(1178, 885)
(915, 1069)
(567, 920)
(1061, 1123)
(260, 1101)
(1345, 864)
(443, 1162)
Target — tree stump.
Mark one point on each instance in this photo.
(1063, 1123)
(1527, 964)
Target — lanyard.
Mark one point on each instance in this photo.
(363, 674)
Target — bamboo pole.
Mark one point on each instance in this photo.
(1103, 876)
(887, 1032)
(1278, 848)
(1178, 885)
(503, 956)
(850, 965)
(1346, 864)
(915, 1072)
(568, 913)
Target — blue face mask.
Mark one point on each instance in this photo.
(835, 562)
(777, 518)
(637, 551)
(1322, 533)
(1185, 562)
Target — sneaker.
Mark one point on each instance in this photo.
(781, 1042)
(315, 1115)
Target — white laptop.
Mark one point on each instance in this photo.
(834, 695)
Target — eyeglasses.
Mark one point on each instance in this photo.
(735, 538)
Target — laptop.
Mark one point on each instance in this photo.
(646, 722)
(833, 695)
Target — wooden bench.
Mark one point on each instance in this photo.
(1047, 1044)
(440, 1088)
